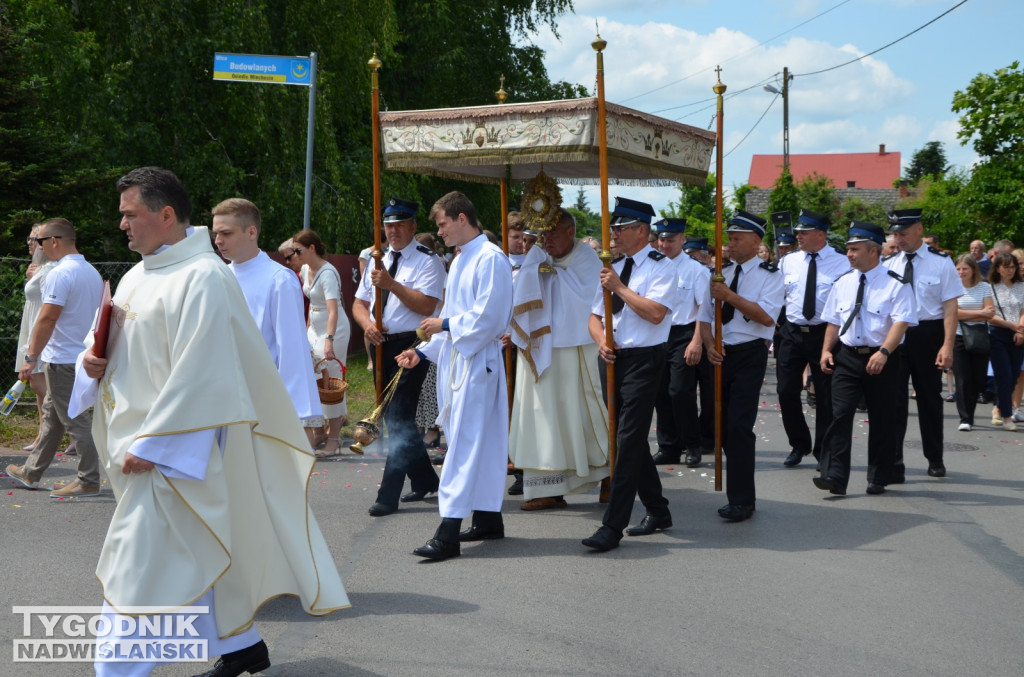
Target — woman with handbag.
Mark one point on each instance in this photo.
(971, 350)
(328, 326)
(1006, 334)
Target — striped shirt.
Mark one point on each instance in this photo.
(973, 299)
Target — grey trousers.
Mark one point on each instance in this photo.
(60, 379)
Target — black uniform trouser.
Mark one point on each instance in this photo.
(635, 473)
(850, 383)
(920, 348)
(706, 383)
(742, 375)
(794, 351)
(969, 371)
(676, 405)
(407, 455)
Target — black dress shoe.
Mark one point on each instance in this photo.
(692, 459)
(603, 540)
(665, 458)
(876, 488)
(414, 496)
(936, 470)
(793, 459)
(445, 542)
(649, 524)
(251, 659)
(734, 512)
(831, 484)
(381, 509)
(486, 526)
(517, 487)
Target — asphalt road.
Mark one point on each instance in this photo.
(924, 580)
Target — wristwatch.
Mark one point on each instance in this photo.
(884, 351)
(30, 359)
(330, 337)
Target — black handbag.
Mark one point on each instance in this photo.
(975, 338)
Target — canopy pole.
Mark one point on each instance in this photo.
(606, 242)
(378, 313)
(510, 372)
(719, 90)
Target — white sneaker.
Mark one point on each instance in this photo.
(996, 418)
(1009, 425)
(965, 427)
(1017, 416)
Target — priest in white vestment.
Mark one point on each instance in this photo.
(209, 469)
(465, 344)
(274, 296)
(559, 430)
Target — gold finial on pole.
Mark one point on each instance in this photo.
(374, 65)
(501, 94)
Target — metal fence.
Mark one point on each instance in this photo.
(12, 301)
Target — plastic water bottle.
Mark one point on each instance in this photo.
(12, 397)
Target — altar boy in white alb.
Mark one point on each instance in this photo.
(274, 297)
(465, 344)
(209, 470)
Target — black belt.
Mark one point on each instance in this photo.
(862, 350)
(645, 350)
(810, 328)
(401, 336)
(924, 322)
(746, 345)
(680, 328)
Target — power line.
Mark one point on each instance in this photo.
(772, 103)
(736, 56)
(826, 70)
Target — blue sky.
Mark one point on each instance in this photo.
(661, 56)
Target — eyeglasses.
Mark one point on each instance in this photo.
(619, 229)
(288, 257)
(41, 240)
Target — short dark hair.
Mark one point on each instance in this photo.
(1001, 259)
(159, 188)
(453, 204)
(59, 227)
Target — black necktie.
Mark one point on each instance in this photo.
(617, 302)
(908, 271)
(856, 306)
(727, 310)
(392, 270)
(811, 288)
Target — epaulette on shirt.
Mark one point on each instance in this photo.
(846, 273)
(933, 250)
(894, 274)
(886, 258)
(618, 258)
(725, 264)
(425, 249)
(769, 266)
(656, 255)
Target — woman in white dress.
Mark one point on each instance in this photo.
(328, 324)
(36, 274)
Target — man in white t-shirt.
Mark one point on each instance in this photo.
(71, 295)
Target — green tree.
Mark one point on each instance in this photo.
(697, 205)
(784, 196)
(927, 161)
(739, 196)
(818, 194)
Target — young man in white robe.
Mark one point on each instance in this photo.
(559, 431)
(209, 469)
(274, 296)
(465, 344)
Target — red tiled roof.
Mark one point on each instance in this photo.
(866, 170)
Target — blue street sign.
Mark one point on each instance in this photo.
(279, 70)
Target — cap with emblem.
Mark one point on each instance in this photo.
(862, 231)
(399, 210)
(630, 211)
(695, 243)
(809, 220)
(785, 235)
(670, 227)
(745, 222)
(901, 219)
